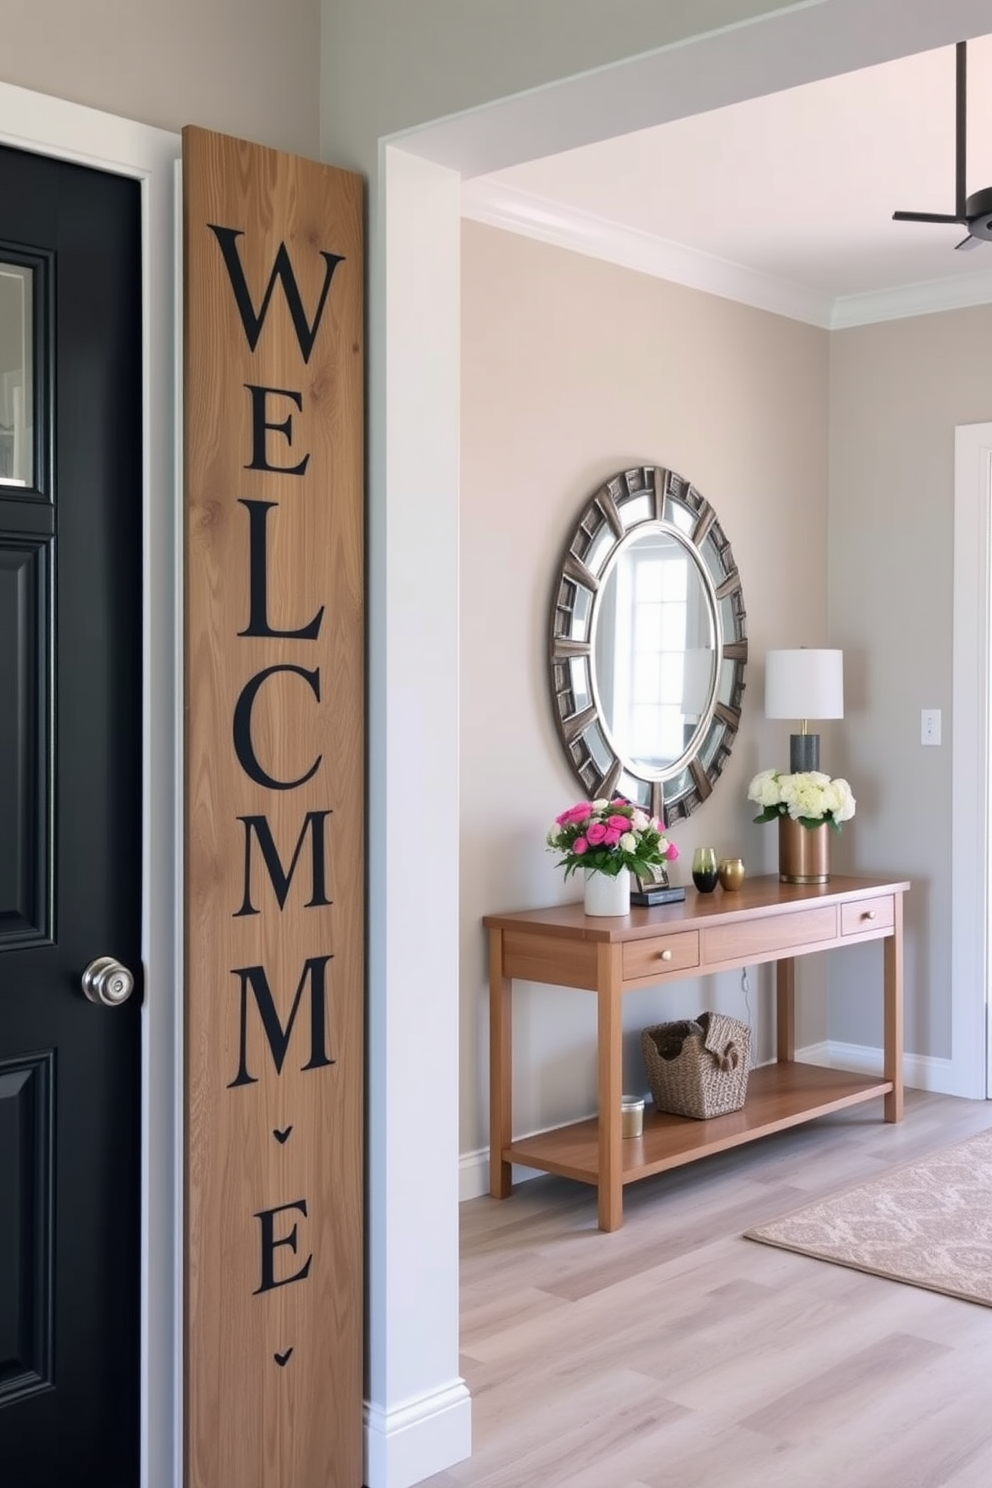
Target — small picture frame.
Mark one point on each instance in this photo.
(656, 879)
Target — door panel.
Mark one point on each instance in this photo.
(25, 741)
(26, 1167)
(70, 814)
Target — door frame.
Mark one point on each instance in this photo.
(971, 739)
(66, 131)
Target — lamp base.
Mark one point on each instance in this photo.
(804, 753)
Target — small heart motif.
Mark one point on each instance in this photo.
(283, 1359)
(281, 1136)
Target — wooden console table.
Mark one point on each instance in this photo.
(765, 921)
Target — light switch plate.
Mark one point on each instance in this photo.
(930, 726)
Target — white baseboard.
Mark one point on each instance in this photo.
(415, 1440)
(473, 1174)
(920, 1072)
(473, 1167)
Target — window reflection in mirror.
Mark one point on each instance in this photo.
(654, 649)
(16, 377)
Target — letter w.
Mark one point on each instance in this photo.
(282, 269)
(279, 877)
(254, 980)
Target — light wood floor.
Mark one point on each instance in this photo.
(676, 1354)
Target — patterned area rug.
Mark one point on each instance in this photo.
(929, 1224)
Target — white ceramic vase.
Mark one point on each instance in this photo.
(605, 895)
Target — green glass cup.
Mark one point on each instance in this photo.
(704, 871)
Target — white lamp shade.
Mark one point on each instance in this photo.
(804, 684)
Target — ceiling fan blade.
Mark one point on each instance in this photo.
(968, 243)
(926, 217)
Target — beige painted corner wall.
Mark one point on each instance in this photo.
(573, 369)
(244, 67)
(897, 390)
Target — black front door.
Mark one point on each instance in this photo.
(70, 822)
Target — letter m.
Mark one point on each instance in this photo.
(280, 877)
(255, 984)
(282, 270)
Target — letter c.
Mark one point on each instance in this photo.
(243, 746)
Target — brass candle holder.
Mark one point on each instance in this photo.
(731, 873)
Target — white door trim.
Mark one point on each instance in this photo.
(50, 126)
(971, 839)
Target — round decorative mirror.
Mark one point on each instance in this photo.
(648, 644)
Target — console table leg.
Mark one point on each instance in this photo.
(610, 1079)
(500, 1070)
(892, 956)
(785, 1010)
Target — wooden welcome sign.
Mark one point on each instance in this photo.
(274, 818)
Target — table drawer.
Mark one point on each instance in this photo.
(660, 954)
(868, 914)
(763, 939)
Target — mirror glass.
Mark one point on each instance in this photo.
(654, 649)
(648, 644)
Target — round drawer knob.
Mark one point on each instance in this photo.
(666, 955)
(871, 914)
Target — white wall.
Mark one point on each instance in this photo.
(573, 369)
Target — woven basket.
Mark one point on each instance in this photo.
(698, 1067)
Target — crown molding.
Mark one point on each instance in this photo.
(508, 207)
(912, 299)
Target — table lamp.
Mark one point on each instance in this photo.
(804, 684)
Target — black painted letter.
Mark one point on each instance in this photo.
(282, 269)
(266, 1218)
(259, 424)
(254, 980)
(280, 877)
(258, 580)
(243, 746)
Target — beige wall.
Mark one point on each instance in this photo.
(573, 369)
(897, 390)
(245, 67)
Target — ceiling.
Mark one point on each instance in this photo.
(783, 201)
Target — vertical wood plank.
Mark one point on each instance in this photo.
(274, 818)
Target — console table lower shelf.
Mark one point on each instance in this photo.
(778, 1096)
(614, 957)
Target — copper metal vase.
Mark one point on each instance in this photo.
(803, 852)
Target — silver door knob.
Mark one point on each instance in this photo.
(107, 983)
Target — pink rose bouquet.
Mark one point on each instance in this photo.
(610, 837)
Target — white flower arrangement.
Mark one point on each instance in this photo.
(809, 797)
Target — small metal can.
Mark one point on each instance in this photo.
(632, 1115)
